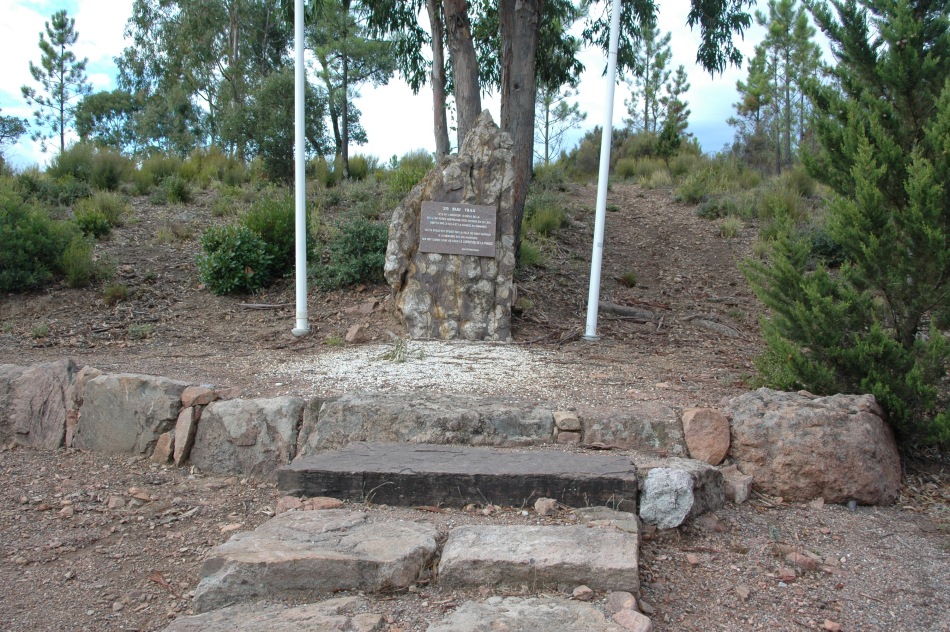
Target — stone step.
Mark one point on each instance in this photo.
(532, 614)
(306, 554)
(343, 613)
(423, 474)
(541, 557)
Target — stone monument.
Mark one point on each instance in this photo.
(451, 253)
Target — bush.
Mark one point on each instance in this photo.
(112, 206)
(543, 214)
(110, 169)
(59, 192)
(355, 254)
(76, 161)
(78, 267)
(530, 255)
(158, 167)
(32, 243)
(92, 222)
(233, 259)
(324, 172)
(272, 218)
(410, 170)
(550, 176)
(361, 166)
(177, 189)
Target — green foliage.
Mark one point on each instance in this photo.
(11, 128)
(77, 264)
(177, 189)
(549, 177)
(409, 170)
(271, 217)
(530, 255)
(271, 124)
(355, 254)
(102, 168)
(717, 177)
(361, 166)
(884, 133)
(32, 243)
(76, 162)
(59, 192)
(730, 227)
(323, 172)
(544, 214)
(234, 259)
(628, 278)
(112, 206)
(93, 222)
(156, 168)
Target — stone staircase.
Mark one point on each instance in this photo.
(313, 555)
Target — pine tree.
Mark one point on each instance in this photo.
(883, 129)
(62, 80)
(651, 75)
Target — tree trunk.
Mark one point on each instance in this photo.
(519, 22)
(458, 32)
(440, 126)
(547, 131)
(344, 53)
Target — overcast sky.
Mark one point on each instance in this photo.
(396, 121)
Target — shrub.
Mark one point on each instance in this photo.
(410, 170)
(112, 206)
(355, 254)
(110, 169)
(158, 167)
(323, 172)
(233, 259)
(32, 244)
(361, 166)
(272, 218)
(177, 189)
(76, 161)
(142, 182)
(656, 180)
(92, 222)
(530, 255)
(549, 176)
(730, 227)
(628, 278)
(543, 214)
(59, 192)
(781, 201)
(77, 264)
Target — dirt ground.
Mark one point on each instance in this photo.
(101, 543)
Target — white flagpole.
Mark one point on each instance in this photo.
(300, 188)
(593, 299)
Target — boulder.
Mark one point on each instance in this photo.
(517, 614)
(422, 418)
(126, 412)
(302, 554)
(678, 489)
(540, 557)
(342, 613)
(648, 426)
(803, 447)
(33, 403)
(707, 434)
(198, 396)
(9, 373)
(250, 437)
(455, 296)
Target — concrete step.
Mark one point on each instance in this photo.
(423, 474)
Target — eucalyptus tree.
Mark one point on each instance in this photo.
(61, 78)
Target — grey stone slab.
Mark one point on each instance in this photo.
(333, 614)
(33, 402)
(126, 413)
(250, 437)
(423, 418)
(515, 614)
(311, 553)
(400, 474)
(540, 557)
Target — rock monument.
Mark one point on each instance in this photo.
(451, 253)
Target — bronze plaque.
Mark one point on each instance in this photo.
(457, 229)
